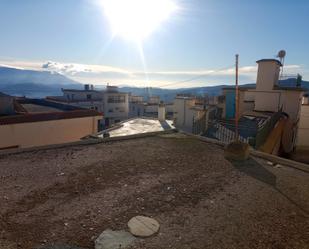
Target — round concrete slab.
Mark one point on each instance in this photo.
(114, 240)
(142, 226)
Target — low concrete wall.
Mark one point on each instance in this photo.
(256, 153)
(25, 135)
(86, 142)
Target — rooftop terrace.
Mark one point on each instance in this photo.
(70, 195)
(139, 126)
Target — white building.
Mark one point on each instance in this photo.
(270, 96)
(116, 106)
(136, 106)
(113, 104)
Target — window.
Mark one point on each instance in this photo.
(110, 110)
(88, 96)
(116, 99)
(72, 96)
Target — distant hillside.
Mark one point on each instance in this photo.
(38, 84)
(169, 94)
(32, 83)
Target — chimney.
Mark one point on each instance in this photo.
(161, 112)
(268, 74)
(6, 104)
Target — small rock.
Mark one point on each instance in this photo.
(142, 226)
(237, 151)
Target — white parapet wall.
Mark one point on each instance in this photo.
(303, 129)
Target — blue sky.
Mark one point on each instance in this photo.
(202, 37)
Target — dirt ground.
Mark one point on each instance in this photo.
(201, 200)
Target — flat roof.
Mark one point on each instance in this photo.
(290, 88)
(270, 60)
(49, 116)
(35, 108)
(38, 110)
(241, 88)
(139, 126)
(201, 200)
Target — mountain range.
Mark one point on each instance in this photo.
(32, 83)
(38, 84)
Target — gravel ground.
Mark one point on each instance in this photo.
(201, 200)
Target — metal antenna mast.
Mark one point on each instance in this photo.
(237, 99)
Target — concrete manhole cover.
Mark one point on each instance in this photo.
(142, 226)
(114, 240)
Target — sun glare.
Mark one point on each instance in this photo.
(137, 19)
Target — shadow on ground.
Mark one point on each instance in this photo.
(165, 125)
(257, 171)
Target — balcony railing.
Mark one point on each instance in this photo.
(290, 80)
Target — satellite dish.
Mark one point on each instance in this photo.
(281, 55)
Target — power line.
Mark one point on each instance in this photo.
(196, 77)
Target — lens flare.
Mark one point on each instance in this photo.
(137, 19)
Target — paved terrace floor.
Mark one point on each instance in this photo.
(201, 200)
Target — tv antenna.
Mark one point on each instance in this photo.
(281, 55)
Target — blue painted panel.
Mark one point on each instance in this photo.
(230, 105)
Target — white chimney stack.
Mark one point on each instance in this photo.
(268, 74)
(161, 112)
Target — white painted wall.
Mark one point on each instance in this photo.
(182, 113)
(288, 100)
(303, 129)
(268, 75)
(267, 101)
(116, 111)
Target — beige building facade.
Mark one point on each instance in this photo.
(41, 133)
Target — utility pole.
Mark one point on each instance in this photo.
(237, 99)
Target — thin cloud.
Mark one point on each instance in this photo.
(74, 68)
(101, 74)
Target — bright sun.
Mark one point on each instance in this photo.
(137, 19)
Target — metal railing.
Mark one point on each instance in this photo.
(265, 130)
(199, 125)
(255, 135)
(225, 131)
(290, 80)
